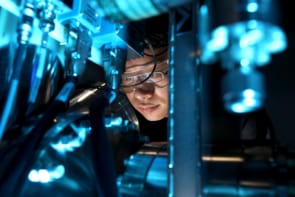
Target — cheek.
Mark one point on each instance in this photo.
(130, 97)
(163, 94)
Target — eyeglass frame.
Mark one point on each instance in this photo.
(147, 79)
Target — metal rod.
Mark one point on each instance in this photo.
(184, 165)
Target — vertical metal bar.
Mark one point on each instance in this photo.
(184, 164)
(172, 29)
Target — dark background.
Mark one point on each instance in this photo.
(281, 81)
(280, 90)
(223, 127)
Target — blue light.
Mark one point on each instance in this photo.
(33, 176)
(253, 40)
(204, 10)
(252, 7)
(251, 37)
(219, 39)
(111, 122)
(11, 7)
(237, 108)
(262, 57)
(69, 143)
(241, 107)
(136, 10)
(245, 65)
(45, 175)
(249, 93)
(278, 40)
(249, 100)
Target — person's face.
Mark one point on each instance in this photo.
(147, 96)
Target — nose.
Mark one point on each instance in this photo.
(144, 91)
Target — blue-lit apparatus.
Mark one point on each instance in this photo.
(66, 129)
(48, 166)
(242, 35)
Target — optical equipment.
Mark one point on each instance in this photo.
(157, 79)
(61, 66)
(242, 35)
(147, 81)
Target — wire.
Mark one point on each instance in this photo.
(151, 48)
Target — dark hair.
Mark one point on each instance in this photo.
(156, 31)
(150, 33)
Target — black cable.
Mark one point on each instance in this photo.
(154, 67)
(14, 177)
(101, 149)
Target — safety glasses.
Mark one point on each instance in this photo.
(156, 78)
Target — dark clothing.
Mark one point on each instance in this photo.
(155, 130)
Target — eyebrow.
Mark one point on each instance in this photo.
(155, 68)
(155, 59)
(143, 64)
(158, 54)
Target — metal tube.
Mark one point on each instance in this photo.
(23, 38)
(184, 164)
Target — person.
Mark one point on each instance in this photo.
(145, 82)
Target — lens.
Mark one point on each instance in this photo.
(145, 87)
(127, 89)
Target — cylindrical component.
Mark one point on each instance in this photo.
(226, 12)
(47, 16)
(26, 24)
(114, 63)
(132, 10)
(245, 28)
(242, 33)
(243, 91)
(184, 119)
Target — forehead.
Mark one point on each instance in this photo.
(146, 62)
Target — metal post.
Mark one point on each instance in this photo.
(184, 165)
